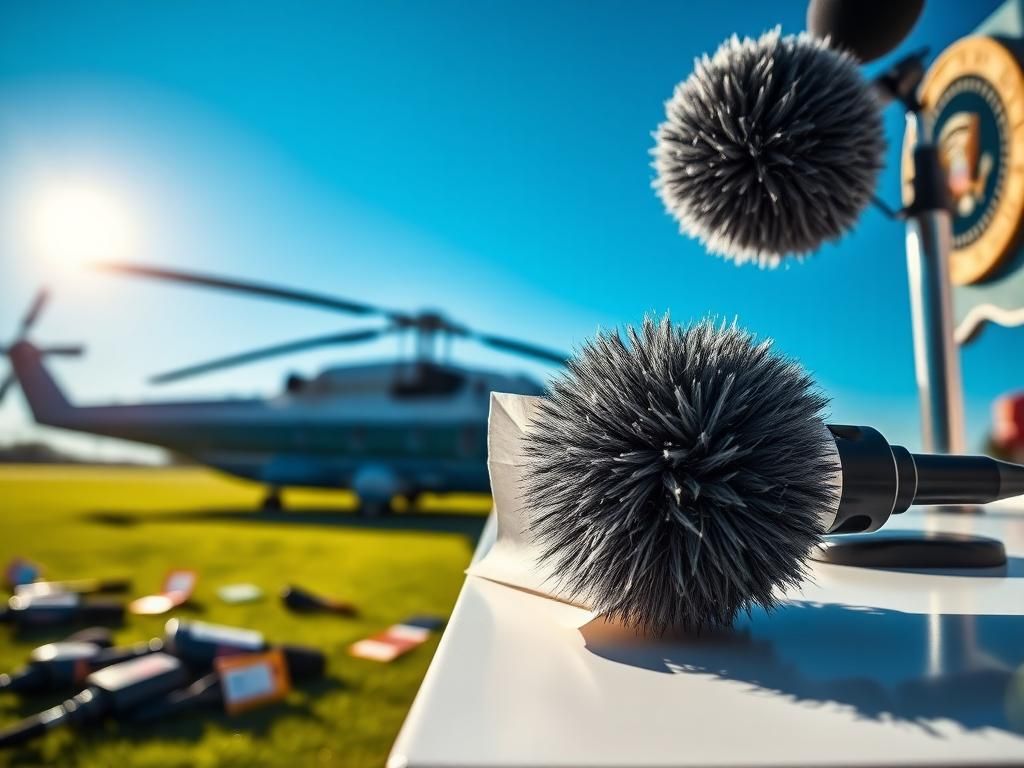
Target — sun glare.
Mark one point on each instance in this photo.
(79, 222)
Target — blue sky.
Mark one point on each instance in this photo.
(490, 159)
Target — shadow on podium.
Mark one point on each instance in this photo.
(912, 667)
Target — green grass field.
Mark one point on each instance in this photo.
(80, 522)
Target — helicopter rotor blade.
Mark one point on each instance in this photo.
(5, 386)
(264, 353)
(72, 350)
(425, 323)
(521, 348)
(256, 289)
(33, 312)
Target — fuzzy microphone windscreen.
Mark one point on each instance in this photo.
(771, 147)
(679, 478)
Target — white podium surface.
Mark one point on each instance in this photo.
(859, 667)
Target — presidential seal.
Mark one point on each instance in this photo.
(974, 92)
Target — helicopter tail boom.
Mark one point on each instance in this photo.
(45, 398)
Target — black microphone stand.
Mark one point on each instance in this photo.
(929, 240)
(929, 237)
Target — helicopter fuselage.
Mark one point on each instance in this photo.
(380, 429)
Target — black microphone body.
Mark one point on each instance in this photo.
(64, 665)
(303, 664)
(115, 690)
(880, 480)
(867, 29)
(75, 586)
(198, 643)
(303, 601)
(56, 665)
(32, 611)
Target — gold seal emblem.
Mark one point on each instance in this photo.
(974, 92)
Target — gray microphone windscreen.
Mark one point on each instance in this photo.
(675, 477)
(770, 148)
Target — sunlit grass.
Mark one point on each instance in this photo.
(80, 522)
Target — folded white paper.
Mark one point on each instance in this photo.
(513, 558)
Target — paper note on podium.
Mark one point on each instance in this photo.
(514, 560)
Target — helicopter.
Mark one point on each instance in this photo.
(395, 428)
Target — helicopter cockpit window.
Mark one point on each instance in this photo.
(426, 380)
(357, 439)
(469, 441)
(414, 440)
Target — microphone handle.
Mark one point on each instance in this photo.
(34, 726)
(23, 732)
(110, 656)
(204, 692)
(945, 479)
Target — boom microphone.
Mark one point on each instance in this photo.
(687, 475)
(868, 29)
(771, 147)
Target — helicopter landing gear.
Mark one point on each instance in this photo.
(374, 507)
(405, 503)
(375, 485)
(272, 501)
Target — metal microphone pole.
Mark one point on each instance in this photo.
(929, 242)
(929, 239)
